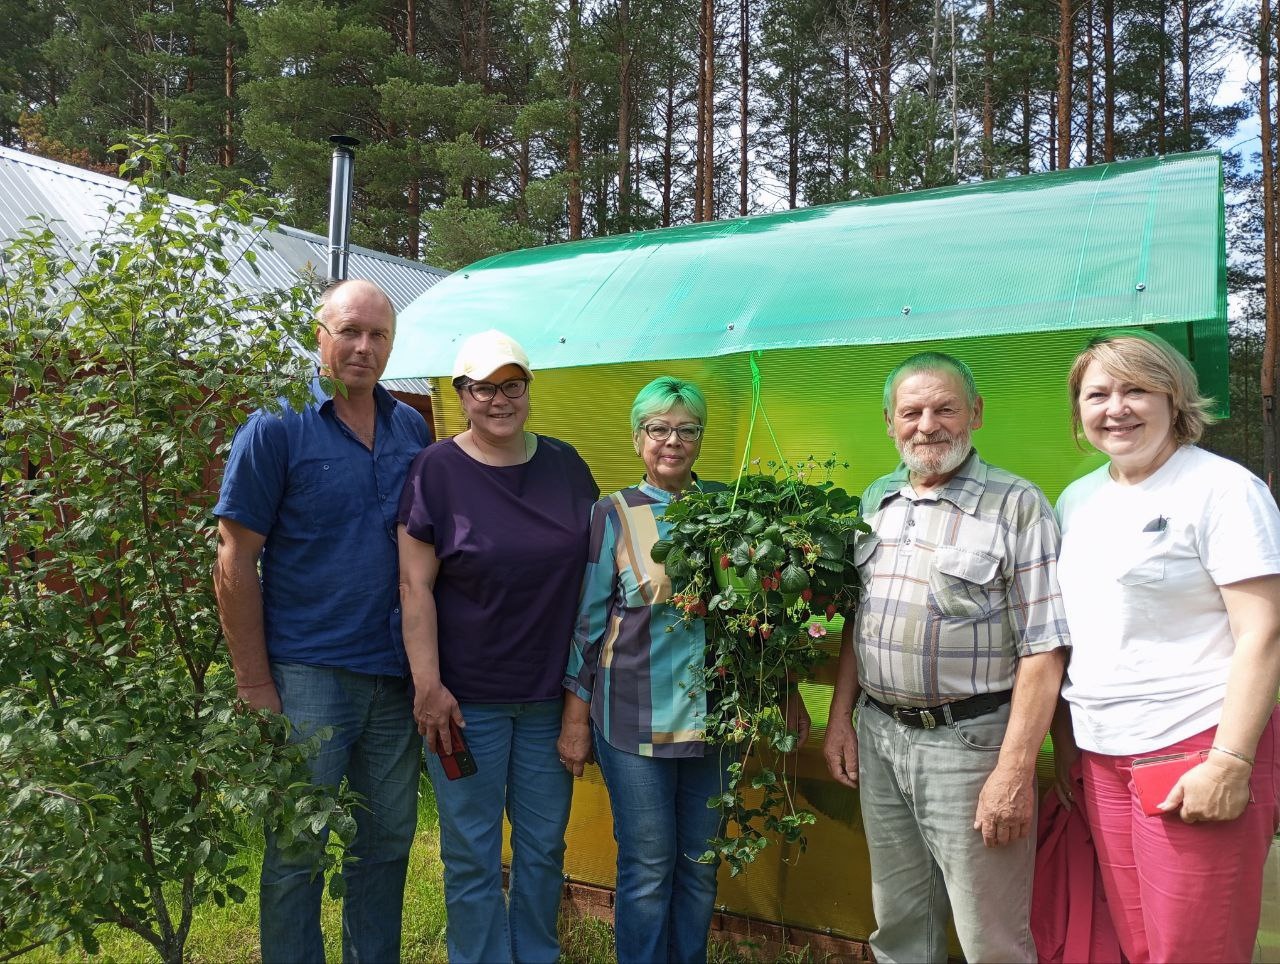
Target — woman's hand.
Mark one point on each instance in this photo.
(1067, 779)
(574, 745)
(433, 706)
(1213, 791)
(1067, 782)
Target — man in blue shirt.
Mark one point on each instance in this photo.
(311, 496)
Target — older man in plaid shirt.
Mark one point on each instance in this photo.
(954, 661)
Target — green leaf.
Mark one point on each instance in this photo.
(794, 579)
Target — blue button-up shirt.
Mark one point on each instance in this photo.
(327, 506)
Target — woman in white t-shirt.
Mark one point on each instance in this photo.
(1170, 572)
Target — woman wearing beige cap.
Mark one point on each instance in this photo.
(493, 542)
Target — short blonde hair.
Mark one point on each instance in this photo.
(1148, 361)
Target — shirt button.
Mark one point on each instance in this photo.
(911, 522)
(326, 466)
(396, 610)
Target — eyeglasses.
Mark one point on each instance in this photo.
(485, 391)
(661, 431)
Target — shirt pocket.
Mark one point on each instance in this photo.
(1143, 572)
(322, 489)
(960, 581)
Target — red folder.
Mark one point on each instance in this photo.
(1154, 777)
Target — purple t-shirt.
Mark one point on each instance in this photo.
(512, 545)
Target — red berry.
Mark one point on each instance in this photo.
(766, 632)
(764, 582)
(725, 562)
(721, 672)
(806, 594)
(831, 611)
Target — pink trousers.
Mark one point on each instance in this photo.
(1177, 891)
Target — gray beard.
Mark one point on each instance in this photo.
(950, 460)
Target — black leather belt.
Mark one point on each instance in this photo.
(927, 717)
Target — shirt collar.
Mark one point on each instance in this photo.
(662, 495)
(963, 490)
(382, 398)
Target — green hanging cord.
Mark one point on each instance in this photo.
(757, 408)
(751, 426)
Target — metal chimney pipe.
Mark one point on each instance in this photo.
(341, 183)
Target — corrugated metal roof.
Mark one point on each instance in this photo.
(76, 201)
(1135, 242)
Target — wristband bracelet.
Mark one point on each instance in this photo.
(1238, 756)
(255, 686)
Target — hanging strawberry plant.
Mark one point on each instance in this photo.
(766, 564)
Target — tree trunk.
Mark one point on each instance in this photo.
(227, 155)
(1089, 86)
(1184, 59)
(884, 71)
(931, 83)
(624, 116)
(955, 103)
(413, 212)
(1162, 95)
(1108, 80)
(708, 109)
(668, 147)
(793, 138)
(988, 105)
(1270, 263)
(1025, 141)
(1065, 55)
(1053, 131)
(744, 64)
(574, 165)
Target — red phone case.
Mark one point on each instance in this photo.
(1154, 777)
(460, 763)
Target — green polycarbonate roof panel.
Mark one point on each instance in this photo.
(1133, 242)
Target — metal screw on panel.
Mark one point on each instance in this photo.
(562, 339)
(1141, 286)
(906, 309)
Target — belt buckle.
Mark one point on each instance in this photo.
(912, 716)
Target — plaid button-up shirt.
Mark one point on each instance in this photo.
(959, 584)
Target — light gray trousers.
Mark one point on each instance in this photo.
(919, 792)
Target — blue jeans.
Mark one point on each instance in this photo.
(517, 770)
(919, 792)
(661, 821)
(375, 745)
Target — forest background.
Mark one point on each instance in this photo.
(495, 124)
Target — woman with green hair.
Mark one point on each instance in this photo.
(634, 700)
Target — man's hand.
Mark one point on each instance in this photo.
(259, 696)
(433, 707)
(574, 745)
(840, 748)
(1005, 806)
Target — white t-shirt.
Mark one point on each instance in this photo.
(1140, 568)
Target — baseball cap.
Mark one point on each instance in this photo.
(483, 354)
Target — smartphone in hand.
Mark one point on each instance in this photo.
(460, 763)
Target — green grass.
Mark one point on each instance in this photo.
(229, 935)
